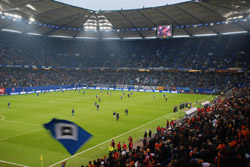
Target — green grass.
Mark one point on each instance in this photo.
(23, 139)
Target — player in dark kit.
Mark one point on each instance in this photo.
(9, 105)
(97, 107)
(73, 111)
(117, 116)
(150, 133)
(126, 111)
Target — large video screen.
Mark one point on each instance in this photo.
(164, 31)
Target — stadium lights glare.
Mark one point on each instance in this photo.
(111, 38)
(203, 35)
(128, 38)
(32, 33)
(15, 16)
(9, 30)
(32, 19)
(59, 36)
(181, 36)
(150, 37)
(86, 38)
(235, 32)
(31, 7)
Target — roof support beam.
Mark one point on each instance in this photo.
(221, 6)
(132, 24)
(51, 10)
(66, 17)
(146, 18)
(176, 6)
(83, 23)
(47, 33)
(12, 7)
(56, 20)
(214, 11)
(112, 25)
(175, 22)
(242, 27)
(246, 4)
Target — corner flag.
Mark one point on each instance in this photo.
(70, 135)
(41, 158)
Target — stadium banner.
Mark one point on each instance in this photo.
(40, 89)
(14, 93)
(2, 90)
(160, 88)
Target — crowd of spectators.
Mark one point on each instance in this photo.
(21, 77)
(217, 136)
(206, 52)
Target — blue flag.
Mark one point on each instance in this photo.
(70, 135)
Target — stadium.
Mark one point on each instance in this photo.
(151, 86)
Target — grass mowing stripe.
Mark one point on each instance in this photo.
(19, 134)
(111, 139)
(12, 163)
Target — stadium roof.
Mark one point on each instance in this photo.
(119, 4)
(54, 19)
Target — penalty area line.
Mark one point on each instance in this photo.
(168, 115)
(20, 122)
(12, 163)
(19, 134)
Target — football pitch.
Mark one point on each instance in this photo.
(23, 138)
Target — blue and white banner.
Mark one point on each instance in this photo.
(70, 135)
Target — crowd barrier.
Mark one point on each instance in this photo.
(191, 111)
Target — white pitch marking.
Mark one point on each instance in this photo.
(19, 134)
(20, 122)
(12, 163)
